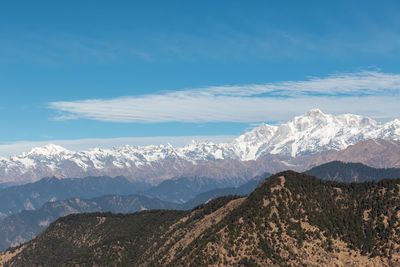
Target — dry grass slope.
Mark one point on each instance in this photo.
(291, 219)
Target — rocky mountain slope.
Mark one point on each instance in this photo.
(377, 153)
(307, 134)
(290, 219)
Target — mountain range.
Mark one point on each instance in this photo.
(33, 195)
(266, 148)
(290, 219)
(183, 189)
(25, 225)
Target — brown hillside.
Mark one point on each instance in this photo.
(291, 219)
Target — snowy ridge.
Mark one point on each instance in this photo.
(309, 133)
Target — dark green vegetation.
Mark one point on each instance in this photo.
(130, 236)
(24, 226)
(32, 196)
(290, 219)
(352, 172)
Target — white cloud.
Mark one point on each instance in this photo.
(365, 82)
(370, 93)
(89, 143)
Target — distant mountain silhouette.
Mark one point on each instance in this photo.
(352, 172)
(242, 190)
(32, 196)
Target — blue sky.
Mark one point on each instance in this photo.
(100, 70)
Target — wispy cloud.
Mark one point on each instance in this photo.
(60, 48)
(261, 42)
(364, 83)
(370, 93)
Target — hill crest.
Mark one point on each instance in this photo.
(291, 218)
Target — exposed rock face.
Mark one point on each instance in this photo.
(378, 153)
(290, 219)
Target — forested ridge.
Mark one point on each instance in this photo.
(290, 219)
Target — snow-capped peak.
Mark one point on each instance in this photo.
(314, 113)
(309, 133)
(48, 150)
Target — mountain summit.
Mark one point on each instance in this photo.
(309, 133)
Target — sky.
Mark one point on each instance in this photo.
(102, 73)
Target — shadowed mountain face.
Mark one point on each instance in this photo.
(291, 218)
(352, 172)
(183, 189)
(242, 190)
(32, 196)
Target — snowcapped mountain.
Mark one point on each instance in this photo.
(309, 133)
(315, 132)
